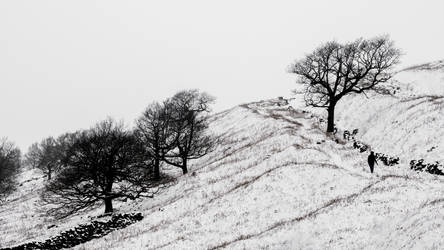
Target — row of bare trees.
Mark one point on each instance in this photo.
(110, 162)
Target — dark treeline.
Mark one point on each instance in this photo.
(112, 162)
(9, 166)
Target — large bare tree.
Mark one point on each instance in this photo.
(153, 129)
(191, 139)
(334, 70)
(101, 164)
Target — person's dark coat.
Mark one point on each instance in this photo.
(371, 161)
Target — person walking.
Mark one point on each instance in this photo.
(371, 161)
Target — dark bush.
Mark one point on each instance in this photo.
(432, 168)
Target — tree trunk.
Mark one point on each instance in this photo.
(184, 166)
(331, 117)
(49, 174)
(108, 199)
(108, 205)
(156, 169)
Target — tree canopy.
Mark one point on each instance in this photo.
(334, 70)
(101, 165)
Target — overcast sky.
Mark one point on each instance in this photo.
(65, 65)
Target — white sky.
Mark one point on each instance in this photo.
(65, 65)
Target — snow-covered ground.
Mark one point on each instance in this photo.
(23, 215)
(277, 181)
(426, 79)
(409, 124)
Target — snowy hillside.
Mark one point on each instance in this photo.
(424, 79)
(275, 181)
(409, 124)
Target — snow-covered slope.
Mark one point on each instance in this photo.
(275, 181)
(409, 124)
(426, 78)
(23, 216)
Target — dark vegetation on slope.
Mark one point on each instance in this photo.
(9, 166)
(83, 233)
(433, 168)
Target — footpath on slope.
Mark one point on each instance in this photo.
(275, 175)
(336, 160)
(274, 171)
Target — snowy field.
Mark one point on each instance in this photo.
(277, 181)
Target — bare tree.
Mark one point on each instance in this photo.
(49, 157)
(45, 155)
(101, 165)
(189, 112)
(31, 158)
(153, 129)
(9, 166)
(334, 70)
